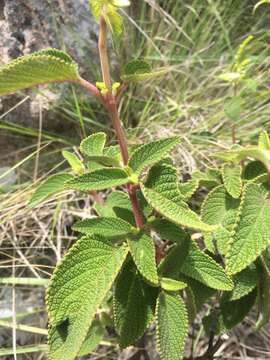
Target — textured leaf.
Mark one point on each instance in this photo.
(42, 67)
(253, 170)
(187, 259)
(231, 175)
(142, 250)
(162, 192)
(171, 284)
(244, 283)
(252, 233)
(134, 304)
(204, 269)
(188, 188)
(151, 153)
(104, 226)
(168, 231)
(73, 296)
(172, 326)
(94, 144)
(219, 208)
(92, 340)
(264, 141)
(139, 70)
(99, 180)
(74, 162)
(231, 313)
(49, 187)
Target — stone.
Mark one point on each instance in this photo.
(30, 25)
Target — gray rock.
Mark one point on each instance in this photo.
(31, 25)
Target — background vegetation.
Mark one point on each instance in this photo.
(197, 40)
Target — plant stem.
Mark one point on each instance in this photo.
(111, 105)
(103, 53)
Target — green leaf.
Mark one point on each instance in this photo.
(204, 269)
(108, 8)
(244, 283)
(151, 153)
(74, 162)
(253, 170)
(93, 338)
(99, 180)
(189, 260)
(105, 160)
(49, 187)
(219, 208)
(162, 192)
(239, 154)
(251, 235)
(171, 284)
(231, 313)
(172, 326)
(264, 291)
(169, 231)
(233, 108)
(188, 188)
(42, 67)
(116, 200)
(142, 250)
(201, 293)
(104, 226)
(139, 70)
(264, 141)
(231, 175)
(94, 144)
(134, 304)
(73, 296)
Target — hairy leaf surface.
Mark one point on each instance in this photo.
(252, 233)
(151, 153)
(104, 226)
(142, 250)
(49, 187)
(162, 192)
(42, 67)
(94, 144)
(169, 231)
(172, 326)
(231, 175)
(219, 208)
(77, 289)
(204, 269)
(99, 180)
(134, 305)
(244, 283)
